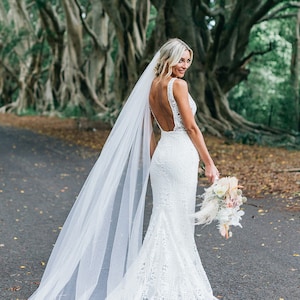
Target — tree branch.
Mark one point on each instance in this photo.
(89, 31)
(253, 53)
(230, 26)
(11, 72)
(265, 8)
(47, 10)
(219, 28)
(236, 36)
(288, 170)
(209, 12)
(283, 16)
(273, 14)
(91, 91)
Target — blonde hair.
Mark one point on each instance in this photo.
(170, 54)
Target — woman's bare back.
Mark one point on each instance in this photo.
(159, 104)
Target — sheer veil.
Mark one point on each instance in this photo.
(103, 232)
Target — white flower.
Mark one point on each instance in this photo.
(236, 217)
(221, 203)
(224, 215)
(220, 190)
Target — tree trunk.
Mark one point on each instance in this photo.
(29, 64)
(71, 96)
(54, 31)
(295, 65)
(94, 46)
(99, 67)
(219, 52)
(4, 99)
(73, 81)
(130, 22)
(98, 58)
(3, 13)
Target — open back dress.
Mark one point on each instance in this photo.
(168, 266)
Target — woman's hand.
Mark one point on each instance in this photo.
(212, 173)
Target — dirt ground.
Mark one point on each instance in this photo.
(263, 171)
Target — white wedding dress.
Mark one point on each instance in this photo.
(168, 266)
(100, 253)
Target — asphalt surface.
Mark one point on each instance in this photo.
(39, 179)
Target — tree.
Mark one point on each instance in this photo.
(29, 65)
(84, 56)
(269, 96)
(219, 33)
(130, 22)
(295, 65)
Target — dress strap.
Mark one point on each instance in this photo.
(173, 105)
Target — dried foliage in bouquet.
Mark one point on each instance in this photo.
(221, 203)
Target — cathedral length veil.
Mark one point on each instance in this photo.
(103, 232)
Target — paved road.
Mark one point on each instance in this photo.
(39, 180)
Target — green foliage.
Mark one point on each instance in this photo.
(5, 4)
(152, 24)
(13, 54)
(28, 112)
(77, 111)
(266, 97)
(72, 111)
(9, 40)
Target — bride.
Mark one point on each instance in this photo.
(100, 253)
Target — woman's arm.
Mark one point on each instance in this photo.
(180, 91)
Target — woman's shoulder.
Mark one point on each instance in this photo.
(180, 84)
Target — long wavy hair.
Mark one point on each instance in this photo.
(170, 54)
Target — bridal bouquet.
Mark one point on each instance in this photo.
(221, 202)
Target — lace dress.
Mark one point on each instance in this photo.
(168, 266)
